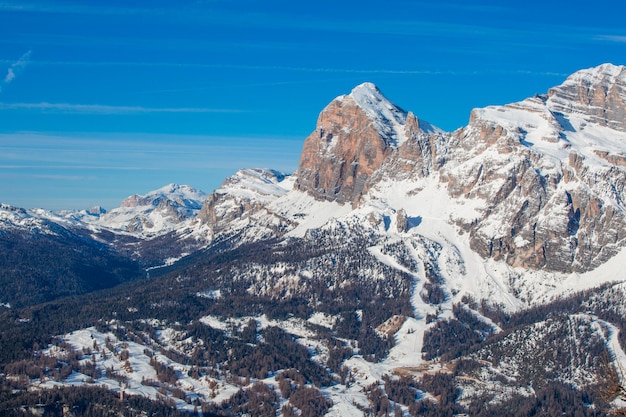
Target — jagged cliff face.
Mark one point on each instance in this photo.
(355, 134)
(547, 174)
(553, 199)
(599, 95)
(343, 151)
(243, 201)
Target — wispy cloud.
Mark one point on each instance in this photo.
(76, 167)
(446, 6)
(63, 177)
(142, 152)
(311, 69)
(59, 8)
(107, 109)
(15, 69)
(236, 66)
(611, 38)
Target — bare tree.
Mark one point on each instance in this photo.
(612, 386)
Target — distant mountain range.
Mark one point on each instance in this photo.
(433, 270)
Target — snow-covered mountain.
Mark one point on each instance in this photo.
(355, 134)
(529, 197)
(535, 189)
(396, 252)
(538, 184)
(18, 218)
(154, 213)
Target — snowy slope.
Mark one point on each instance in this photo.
(154, 213)
(388, 118)
(37, 220)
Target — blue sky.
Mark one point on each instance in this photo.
(100, 100)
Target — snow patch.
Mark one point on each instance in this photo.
(323, 319)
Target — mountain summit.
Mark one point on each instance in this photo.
(355, 133)
(545, 176)
(156, 212)
(596, 94)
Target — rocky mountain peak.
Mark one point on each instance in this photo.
(182, 195)
(354, 135)
(597, 94)
(243, 199)
(155, 212)
(388, 118)
(537, 170)
(549, 173)
(602, 74)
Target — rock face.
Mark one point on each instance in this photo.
(354, 136)
(599, 94)
(402, 221)
(244, 199)
(553, 195)
(547, 174)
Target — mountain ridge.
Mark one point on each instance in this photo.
(401, 269)
(544, 182)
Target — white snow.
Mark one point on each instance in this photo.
(322, 319)
(535, 125)
(430, 202)
(594, 75)
(388, 118)
(619, 356)
(385, 115)
(140, 369)
(261, 185)
(212, 294)
(307, 212)
(154, 213)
